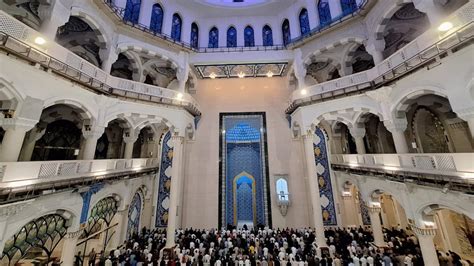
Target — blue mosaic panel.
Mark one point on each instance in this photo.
(194, 36)
(134, 214)
(324, 13)
(176, 28)
(132, 11)
(86, 200)
(285, 29)
(249, 40)
(304, 22)
(213, 38)
(348, 6)
(156, 23)
(244, 178)
(162, 206)
(231, 37)
(267, 35)
(324, 178)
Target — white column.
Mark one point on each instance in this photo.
(300, 70)
(15, 131)
(314, 188)
(69, 246)
(427, 246)
(109, 57)
(397, 128)
(53, 17)
(358, 134)
(91, 136)
(375, 49)
(374, 214)
(129, 139)
(29, 144)
(178, 142)
(434, 13)
(182, 73)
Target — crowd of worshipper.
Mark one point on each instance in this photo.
(268, 247)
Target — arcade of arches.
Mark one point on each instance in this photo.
(137, 131)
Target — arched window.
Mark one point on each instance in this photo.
(231, 37)
(285, 28)
(176, 28)
(156, 23)
(282, 190)
(132, 11)
(134, 215)
(267, 36)
(249, 40)
(348, 6)
(194, 36)
(304, 22)
(213, 38)
(324, 13)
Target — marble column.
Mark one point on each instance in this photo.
(129, 139)
(314, 188)
(178, 143)
(69, 246)
(53, 17)
(433, 12)
(374, 214)
(375, 49)
(91, 136)
(427, 246)
(358, 134)
(397, 128)
(30, 141)
(15, 131)
(109, 57)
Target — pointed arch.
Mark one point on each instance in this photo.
(231, 37)
(286, 33)
(324, 13)
(194, 35)
(213, 38)
(267, 36)
(132, 11)
(176, 26)
(249, 38)
(156, 23)
(304, 22)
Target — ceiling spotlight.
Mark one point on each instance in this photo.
(179, 96)
(304, 92)
(445, 26)
(40, 40)
(212, 75)
(241, 74)
(270, 74)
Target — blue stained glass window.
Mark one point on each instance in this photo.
(267, 35)
(132, 11)
(285, 28)
(324, 13)
(304, 22)
(134, 214)
(213, 38)
(156, 23)
(194, 36)
(249, 40)
(348, 6)
(242, 132)
(231, 37)
(176, 28)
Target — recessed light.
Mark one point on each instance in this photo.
(445, 26)
(241, 75)
(179, 96)
(40, 40)
(212, 75)
(270, 74)
(304, 92)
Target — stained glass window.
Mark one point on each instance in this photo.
(348, 6)
(194, 36)
(45, 232)
(231, 37)
(249, 40)
(324, 13)
(267, 35)
(304, 22)
(285, 28)
(176, 28)
(132, 11)
(213, 38)
(156, 23)
(134, 214)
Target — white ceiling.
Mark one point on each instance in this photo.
(224, 8)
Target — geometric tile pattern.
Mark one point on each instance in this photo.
(250, 70)
(164, 186)
(324, 179)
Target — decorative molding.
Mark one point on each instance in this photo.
(14, 208)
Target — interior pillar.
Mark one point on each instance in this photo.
(374, 214)
(427, 246)
(15, 131)
(69, 246)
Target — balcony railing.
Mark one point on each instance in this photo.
(23, 180)
(439, 168)
(421, 51)
(19, 39)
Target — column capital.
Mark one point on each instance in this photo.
(177, 138)
(423, 231)
(93, 132)
(23, 124)
(357, 132)
(73, 234)
(396, 125)
(374, 209)
(130, 136)
(309, 134)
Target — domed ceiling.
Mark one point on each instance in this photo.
(221, 8)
